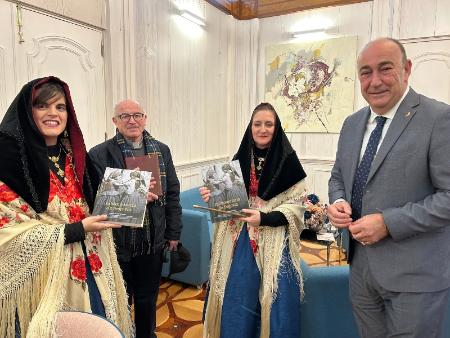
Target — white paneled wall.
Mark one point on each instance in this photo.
(421, 18)
(243, 89)
(186, 79)
(119, 51)
(431, 68)
(424, 28)
(442, 17)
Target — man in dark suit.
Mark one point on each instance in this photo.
(390, 187)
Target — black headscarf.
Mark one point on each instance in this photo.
(282, 168)
(23, 155)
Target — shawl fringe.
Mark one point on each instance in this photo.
(33, 279)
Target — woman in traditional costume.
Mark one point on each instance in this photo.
(255, 283)
(53, 255)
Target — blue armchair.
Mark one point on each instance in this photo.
(196, 237)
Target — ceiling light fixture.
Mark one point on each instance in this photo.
(320, 32)
(192, 17)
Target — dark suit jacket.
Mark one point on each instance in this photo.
(409, 183)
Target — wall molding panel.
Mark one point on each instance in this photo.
(42, 47)
(431, 67)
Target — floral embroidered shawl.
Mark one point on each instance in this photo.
(39, 274)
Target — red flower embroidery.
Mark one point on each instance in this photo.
(53, 187)
(76, 213)
(4, 220)
(95, 262)
(6, 194)
(24, 207)
(78, 269)
(254, 246)
(69, 191)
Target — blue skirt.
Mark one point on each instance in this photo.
(241, 310)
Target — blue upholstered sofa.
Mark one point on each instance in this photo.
(196, 237)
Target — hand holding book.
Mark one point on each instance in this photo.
(252, 217)
(150, 195)
(97, 223)
(205, 193)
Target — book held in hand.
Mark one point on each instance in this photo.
(122, 196)
(227, 187)
(149, 163)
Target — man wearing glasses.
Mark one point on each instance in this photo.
(139, 250)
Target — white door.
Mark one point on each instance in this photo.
(72, 52)
(8, 87)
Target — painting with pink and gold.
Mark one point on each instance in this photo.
(312, 84)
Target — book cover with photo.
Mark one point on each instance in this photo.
(227, 187)
(122, 196)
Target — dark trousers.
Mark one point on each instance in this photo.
(142, 276)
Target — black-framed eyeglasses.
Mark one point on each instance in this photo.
(126, 117)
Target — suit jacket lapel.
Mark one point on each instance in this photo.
(402, 117)
(359, 129)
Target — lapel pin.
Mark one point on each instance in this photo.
(407, 114)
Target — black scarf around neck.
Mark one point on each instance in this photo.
(24, 158)
(282, 168)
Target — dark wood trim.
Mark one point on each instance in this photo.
(223, 5)
(250, 9)
(268, 8)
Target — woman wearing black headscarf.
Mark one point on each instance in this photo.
(54, 256)
(255, 278)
